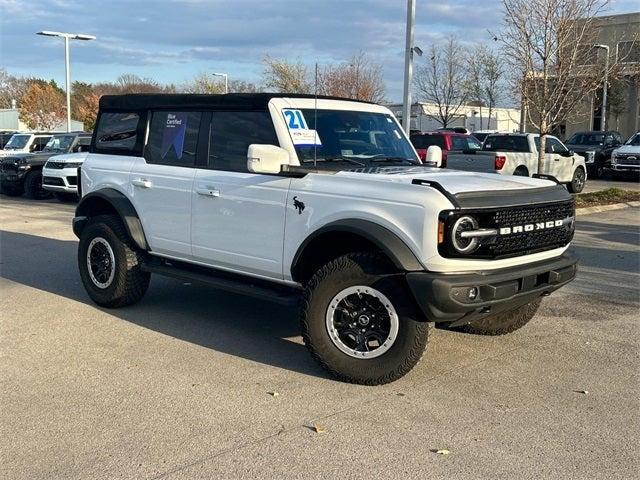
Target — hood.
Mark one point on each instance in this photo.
(14, 155)
(70, 157)
(454, 181)
(584, 148)
(628, 149)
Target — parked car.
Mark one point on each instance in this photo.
(322, 201)
(25, 143)
(627, 157)
(22, 172)
(517, 154)
(5, 136)
(447, 140)
(596, 148)
(60, 174)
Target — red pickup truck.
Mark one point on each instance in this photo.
(446, 140)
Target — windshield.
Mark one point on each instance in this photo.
(635, 140)
(17, 142)
(357, 138)
(59, 143)
(586, 139)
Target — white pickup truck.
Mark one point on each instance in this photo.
(517, 154)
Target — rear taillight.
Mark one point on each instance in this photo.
(422, 153)
(500, 161)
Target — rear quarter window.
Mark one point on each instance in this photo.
(117, 131)
(506, 143)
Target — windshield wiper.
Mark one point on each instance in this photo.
(339, 159)
(391, 159)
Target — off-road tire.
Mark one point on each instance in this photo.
(578, 181)
(521, 172)
(33, 186)
(372, 270)
(12, 190)
(505, 322)
(130, 282)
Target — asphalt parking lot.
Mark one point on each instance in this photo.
(626, 182)
(180, 385)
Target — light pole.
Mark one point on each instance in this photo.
(408, 65)
(603, 122)
(226, 80)
(67, 37)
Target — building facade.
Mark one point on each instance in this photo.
(424, 117)
(10, 120)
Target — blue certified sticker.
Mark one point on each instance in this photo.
(295, 119)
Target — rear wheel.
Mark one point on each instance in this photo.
(110, 264)
(505, 322)
(33, 186)
(577, 182)
(360, 323)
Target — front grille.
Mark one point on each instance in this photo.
(53, 181)
(55, 165)
(628, 159)
(11, 168)
(521, 243)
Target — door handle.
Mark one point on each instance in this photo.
(142, 183)
(208, 192)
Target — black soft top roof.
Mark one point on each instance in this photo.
(245, 101)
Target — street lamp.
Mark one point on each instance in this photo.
(67, 37)
(226, 80)
(603, 122)
(410, 49)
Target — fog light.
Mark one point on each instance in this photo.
(472, 293)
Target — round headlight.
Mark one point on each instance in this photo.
(460, 243)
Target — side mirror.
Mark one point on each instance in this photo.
(78, 149)
(433, 157)
(266, 158)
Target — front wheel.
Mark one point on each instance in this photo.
(360, 323)
(505, 322)
(110, 264)
(577, 182)
(33, 186)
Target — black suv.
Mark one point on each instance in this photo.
(596, 148)
(22, 172)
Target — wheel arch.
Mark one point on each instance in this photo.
(345, 236)
(108, 201)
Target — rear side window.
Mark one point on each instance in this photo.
(232, 133)
(39, 143)
(425, 141)
(465, 143)
(506, 143)
(117, 131)
(173, 138)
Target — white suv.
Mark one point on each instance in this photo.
(292, 198)
(25, 143)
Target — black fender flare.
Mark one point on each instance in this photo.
(387, 241)
(121, 204)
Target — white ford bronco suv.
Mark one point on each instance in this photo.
(321, 204)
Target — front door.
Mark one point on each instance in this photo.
(162, 182)
(237, 216)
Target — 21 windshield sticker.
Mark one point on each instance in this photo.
(300, 132)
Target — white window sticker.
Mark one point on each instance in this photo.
(305, 136)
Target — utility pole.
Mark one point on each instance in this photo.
(408, 66)
(603, 122)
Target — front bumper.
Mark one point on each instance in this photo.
(625, 168)
(64, 180)
(13, 177)
(445, 297)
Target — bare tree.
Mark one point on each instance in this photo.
(443, 80)
(547, 44)
(359, 78)
(284, 76)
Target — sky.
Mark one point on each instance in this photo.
(172, 41)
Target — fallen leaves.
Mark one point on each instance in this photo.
(318, 428)
(273, 394)
(442, 451)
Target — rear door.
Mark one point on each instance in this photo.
(162, 181)
(238, 216)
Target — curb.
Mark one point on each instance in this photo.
(606, 208)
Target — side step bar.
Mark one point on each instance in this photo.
(230, 282)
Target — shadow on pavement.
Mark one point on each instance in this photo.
(232, 324)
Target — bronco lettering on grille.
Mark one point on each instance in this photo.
(530, 227)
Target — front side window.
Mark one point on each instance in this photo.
(173, 138)
(40, 143)
(232, 133)
(635, 140)
(117, 131)
(361, 138)
(17, 142)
